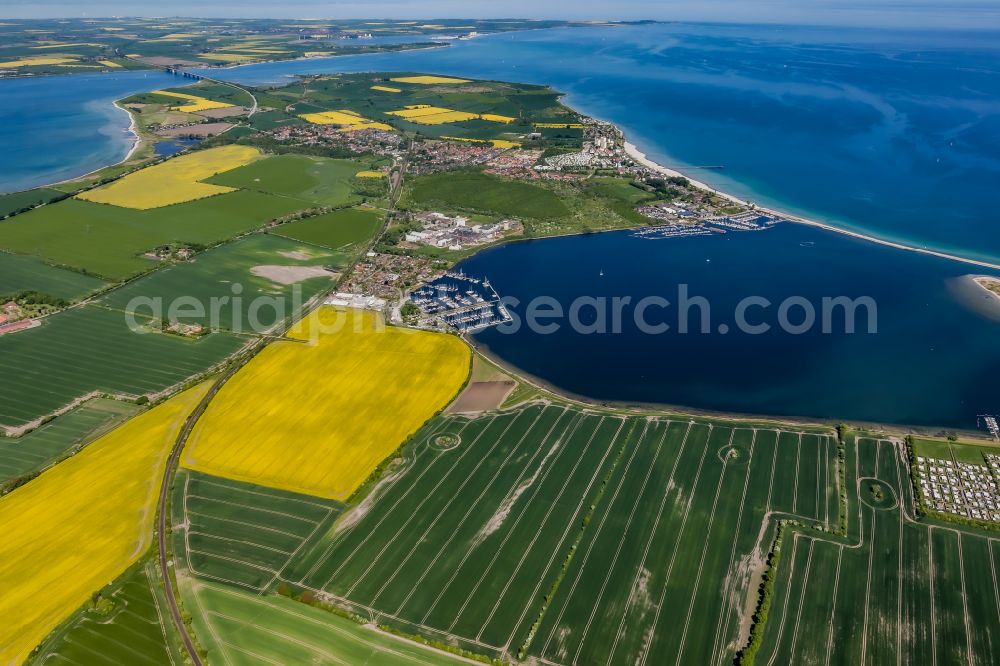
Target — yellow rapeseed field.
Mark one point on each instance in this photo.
(431, 115)
(497, 118)
(559, 125)
(231, 57)
(80, 524)
(109, 63)
(175, 37)
(386, 89)
(36, 60)
(317, 418)
(497, 143)
(173, 181)
(349, 119)
(239, 49)
(194, 103)
(369, 174)
(428, 80)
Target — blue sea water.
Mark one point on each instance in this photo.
(60, 127)
(890, 133)
(895, 134)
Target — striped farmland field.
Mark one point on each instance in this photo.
(532, 532)
(91, 349)
(44, 445)
(129, 632)
(243, 534)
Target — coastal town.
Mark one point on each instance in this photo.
(353, 341)
(678, 207)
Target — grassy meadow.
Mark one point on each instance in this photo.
(468, 190)
(17, 201)
(237, 271)
(346, 230)
(318, 180)
(108, 241)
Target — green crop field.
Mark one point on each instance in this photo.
(88, 349)
(956, 451)
(254, 301)
(242, 534)
(662, 574)
(18, 201)
(20, 273)
(524, 104)
(345, 231)
(109, 240)
(466, 190)
(193, 42)
(241, 628)
(124, 629)
(468, 543)
(52, 441)
(558, 535)
(897, 590)
(320, 180)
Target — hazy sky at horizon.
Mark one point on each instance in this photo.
(881, 13)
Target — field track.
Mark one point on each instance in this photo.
(902, 590)
(571, 536)
(464, 543)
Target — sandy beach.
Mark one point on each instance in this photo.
(133, 129)
(641, 158)
(989, 284)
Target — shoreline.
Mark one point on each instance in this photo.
(983, 282)
(133, 129)
(136, 142)
(136, 139)
(639, 157)
(639, 407)
(630, 149)
(430, 46)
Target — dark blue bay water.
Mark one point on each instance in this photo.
(60, 127)
(894, 134)
(934, 359)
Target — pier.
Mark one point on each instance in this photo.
(465, 303)
(991, 425)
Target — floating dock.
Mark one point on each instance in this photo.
(467, 304)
